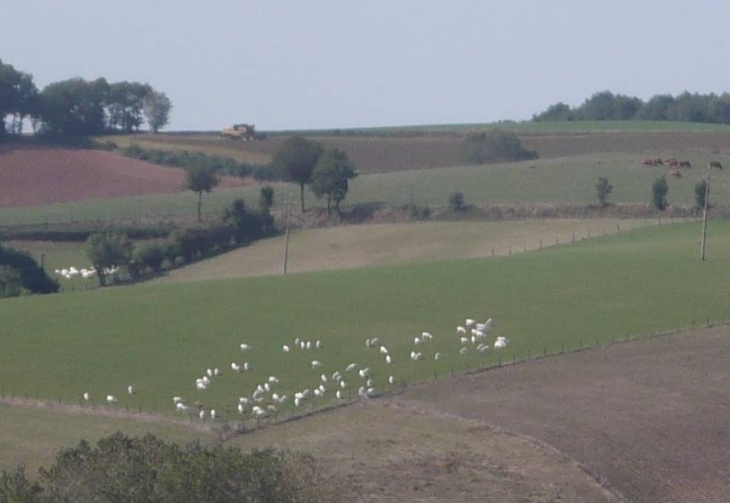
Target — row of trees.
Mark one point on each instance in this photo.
(326, 172)
(147, 469)
(604, 106)
(659, 191)
(495, 146)
(238, 225)
(77, 106)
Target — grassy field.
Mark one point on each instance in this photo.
(564, 180)
(31, 436)
(352, 246)
(161, 337)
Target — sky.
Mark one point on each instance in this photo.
(314, 64)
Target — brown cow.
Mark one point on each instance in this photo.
(685, 164)
(715, 164)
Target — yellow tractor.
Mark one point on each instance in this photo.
(240, 132)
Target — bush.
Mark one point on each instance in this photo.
(659, 191)
(147, 470)
(416, 212)
(603, 190)
(701, 191)
(495, 146)
(150, 257)
(23, 274)
(456, 201)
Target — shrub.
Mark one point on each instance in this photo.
(603, 189)
(495, 146)
(150, 256)
(147, 469)
(416, 212)
(23, 274)
(659, 191)
(456, 201)
(701, 191)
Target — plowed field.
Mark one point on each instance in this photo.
(650, 417)
(33, 175)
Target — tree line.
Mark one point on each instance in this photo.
(77, 107)
(604, 106)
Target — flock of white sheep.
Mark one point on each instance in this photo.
(266, 397)
(73, 272)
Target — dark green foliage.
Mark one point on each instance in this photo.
(331, 177)
(220, 165)
(150, 256)
(603, 190)
(106, 250)
(157, 108)
(701, 190)
(124, 105)
(266, 173)
(659, 191)
(147, 470)
(74, 107)
(456, 201)
(22, 274)
(416, 212)
(266, 198)
(495, 146)
(247, 225)
(295, 161)
(200, 179)
(686, 107)
(18, 98)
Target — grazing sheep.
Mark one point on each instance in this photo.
(110, 399)
(316, 364)
(130, 390)
(351, 367)
(245, 347)
(86, 396)
(285, 348)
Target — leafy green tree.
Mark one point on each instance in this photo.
(295, 160)
(74, 107)
(200, 179)
(266, 198)
(23, 274)
(247, 225)
(659, 190)
(125, 103)
(157, 108)
(331, 177)
(557, 112)
(107, 250)
(456, 201)
(603, 190)
(10, 282)
(701, 190)
(18, 97)
(150, 257)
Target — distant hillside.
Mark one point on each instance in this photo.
(33, 174)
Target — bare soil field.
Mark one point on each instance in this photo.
(649, 417)
(383, 154)
(32, 175)
(381, 451)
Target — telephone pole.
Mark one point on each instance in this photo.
(704, 215)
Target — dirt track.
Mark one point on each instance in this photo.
(650, 417)
(31, 175)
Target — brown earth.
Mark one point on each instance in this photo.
(373, 154)
(32, 175)
(649, 417)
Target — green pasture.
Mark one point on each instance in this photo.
(564, 180)
(160, 338)
(59, 255)
(31, 436)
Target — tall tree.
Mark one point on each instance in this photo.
(75, 106)
(18, 96)
(107, 250)
(125, 104)
(157, 108)
(296, 159)
(200, 179)
(331, 177)
(659, 191)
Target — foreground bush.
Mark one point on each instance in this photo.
(142, 470)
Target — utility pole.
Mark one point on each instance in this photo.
(704, 216)
(286, 246)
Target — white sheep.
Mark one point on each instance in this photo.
(245, 347)
(86, 396)
(384, 350)
(351, 367)
(110, 399)
(130, 390)
(388, 359)
(316, 364)
(285, 348)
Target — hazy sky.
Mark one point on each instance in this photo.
(295, 64)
